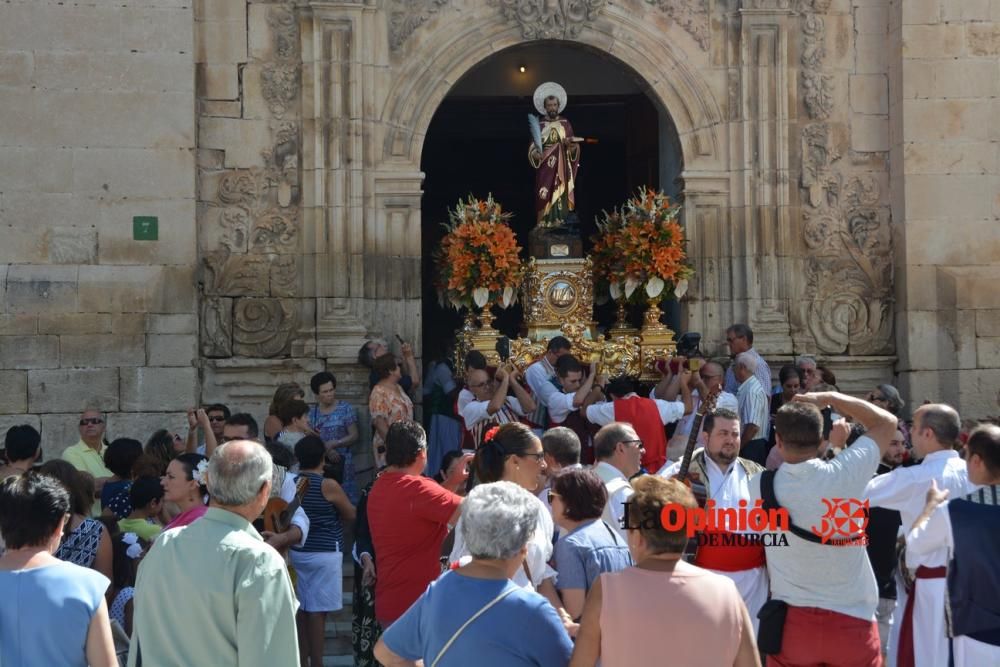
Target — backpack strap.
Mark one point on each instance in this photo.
(771, 503)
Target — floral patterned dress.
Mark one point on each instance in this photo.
(391, 403)
(334, 425)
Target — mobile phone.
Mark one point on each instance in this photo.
(827, 421)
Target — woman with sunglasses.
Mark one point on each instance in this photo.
(588, 546)
(512, 453)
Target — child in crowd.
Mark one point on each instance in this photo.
(146, 496)
(128, 551)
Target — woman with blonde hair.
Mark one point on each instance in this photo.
(623, 616)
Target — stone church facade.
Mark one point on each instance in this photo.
(841, 174)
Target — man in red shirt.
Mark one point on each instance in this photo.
(409, 516)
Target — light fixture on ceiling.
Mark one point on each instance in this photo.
(522, 69)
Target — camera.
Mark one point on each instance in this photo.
(688, 345)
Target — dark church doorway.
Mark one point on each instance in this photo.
(477, 143)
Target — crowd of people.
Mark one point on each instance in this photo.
(548, 516)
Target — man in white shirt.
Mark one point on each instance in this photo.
(829, 588)
(540, 376)
(966, 527)
(618, 450)
(919, 633)
(491, 405)
(562, 452)
(739, 337)
(708, 377)
(754, 409)
(726, 478)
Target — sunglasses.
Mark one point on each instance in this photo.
(873, 397)
(538, 457)
(637, 443)
(91, 421)
(553, 494)
(216, 419)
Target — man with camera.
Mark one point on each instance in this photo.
(706, 377)
(823, 590)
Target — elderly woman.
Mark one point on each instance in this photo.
(51, 612)
(588, 546)
(476, 615)
(512, 453)
(623, 617)
(387, 403)
(336, 422)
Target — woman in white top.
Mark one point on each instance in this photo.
(512, 453)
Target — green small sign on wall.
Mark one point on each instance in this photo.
(145, 228)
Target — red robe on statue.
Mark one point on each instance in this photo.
(555, 170)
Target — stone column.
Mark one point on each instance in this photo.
(762, 235)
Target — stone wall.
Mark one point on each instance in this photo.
(840, 171)
(945, 82)
(97, 127)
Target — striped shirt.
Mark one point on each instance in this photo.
(762, 373)
(754, 407)
(326, 533)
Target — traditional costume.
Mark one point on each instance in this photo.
(969, 530)
(745, 565)
(647, 416)
(918, 638)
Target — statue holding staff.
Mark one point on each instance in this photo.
(555, 155)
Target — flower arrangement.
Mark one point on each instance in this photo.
(642, 246)
(479, 259)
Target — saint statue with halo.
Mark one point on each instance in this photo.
(555, 155)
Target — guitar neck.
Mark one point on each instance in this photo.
(699, 419)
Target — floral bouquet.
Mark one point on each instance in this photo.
(642, 246)
(479, 259)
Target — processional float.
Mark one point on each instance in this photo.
(637, 257)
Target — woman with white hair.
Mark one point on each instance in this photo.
(476, 614)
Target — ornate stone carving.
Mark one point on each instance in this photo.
(235, 275)
(862, 191)
(263, 327)
(285, 276)
(692, 15)
(217, 327)
(818, 154)
(280, 77)
(817, 87)
(848, 280)
(543, 19)
(408, 15)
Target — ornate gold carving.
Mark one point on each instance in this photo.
(656, 342)
(556, 291)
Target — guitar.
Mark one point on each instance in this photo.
(277, 514)
(697, 487)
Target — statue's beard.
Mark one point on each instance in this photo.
(553, 115)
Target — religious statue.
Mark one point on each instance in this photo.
(555, 155)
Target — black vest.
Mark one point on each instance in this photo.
(973, 575)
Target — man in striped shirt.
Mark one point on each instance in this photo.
(754, 408)
(740, 339)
